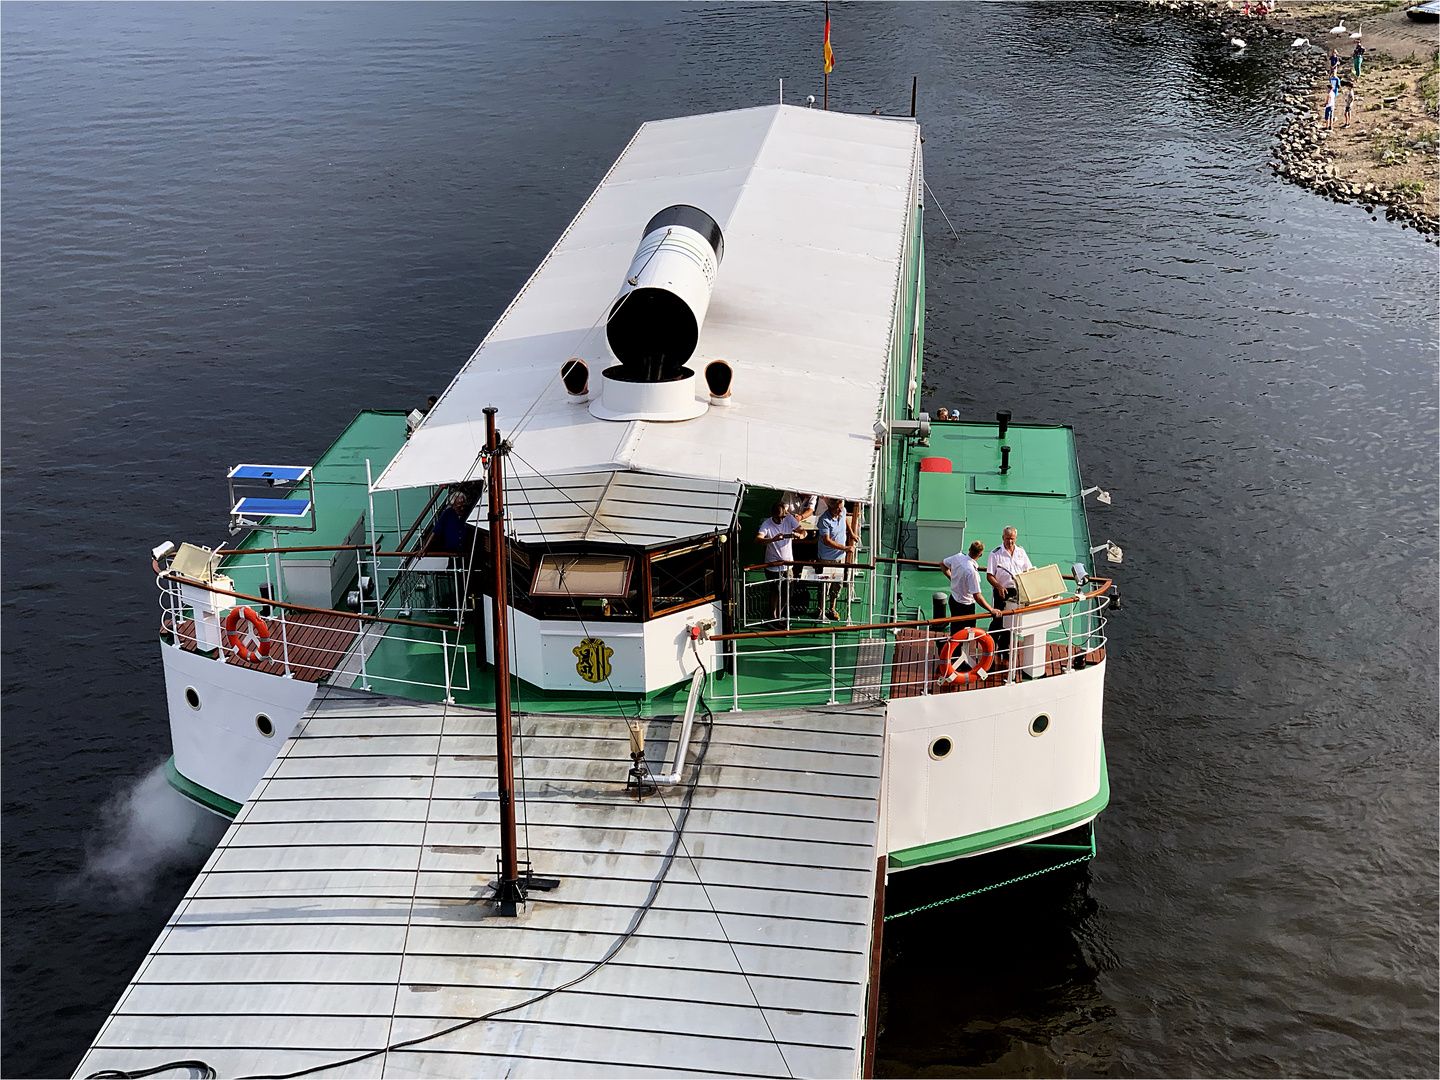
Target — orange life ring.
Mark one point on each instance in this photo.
(980, 664)
(235, 637)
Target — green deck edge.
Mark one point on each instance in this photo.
(1007, 834)
(195, 793)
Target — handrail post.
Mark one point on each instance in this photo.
(449, 695)
(735, 675)
(374, 547)
(832, 670)
(360, 644)
(285, 645)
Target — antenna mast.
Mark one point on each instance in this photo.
(512, 887)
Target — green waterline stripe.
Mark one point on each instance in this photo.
(193, 791)
(1006, 834)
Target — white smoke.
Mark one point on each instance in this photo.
(147, 829)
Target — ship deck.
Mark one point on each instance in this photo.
(345, 910)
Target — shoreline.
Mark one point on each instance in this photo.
(1385, 160)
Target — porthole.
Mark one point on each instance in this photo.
(263, 725)
(1039, 725)
(941, 748)
(192, 697)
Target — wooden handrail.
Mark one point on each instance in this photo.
(947, 620)
(810, 562)
(321, 547)
(167, 575)
(936, 565)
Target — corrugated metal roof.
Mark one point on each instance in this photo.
(630, 508)
(815, 206)
(343, 911)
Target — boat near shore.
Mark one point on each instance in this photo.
(727, 773)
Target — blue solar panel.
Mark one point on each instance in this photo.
(290, 508)
(268, 472)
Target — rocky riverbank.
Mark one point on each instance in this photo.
(1385, 160)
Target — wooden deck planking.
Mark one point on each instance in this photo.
(317, 643)
(916, 665)
(345, 907)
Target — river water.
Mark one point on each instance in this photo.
(228, 228)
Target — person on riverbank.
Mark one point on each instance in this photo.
(1334, 62)
(1357, 58)
(1349, 104)
(1330, 108)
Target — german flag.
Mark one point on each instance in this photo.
(829, 52)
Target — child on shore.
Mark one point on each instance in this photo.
(1349, 104)
(1330, 108)
(1334, 62)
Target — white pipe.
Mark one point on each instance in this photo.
(683, 746)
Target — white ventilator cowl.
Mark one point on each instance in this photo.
(654, 324)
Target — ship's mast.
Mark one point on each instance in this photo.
(512, 886)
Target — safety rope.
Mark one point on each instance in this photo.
(997, 885)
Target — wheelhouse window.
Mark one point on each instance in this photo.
(682, 578)
(598, 577)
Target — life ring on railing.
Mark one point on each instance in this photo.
(979, 663)
(235, 636)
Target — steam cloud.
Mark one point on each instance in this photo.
(147, 829)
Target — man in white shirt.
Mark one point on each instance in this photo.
(775, 533)
(799, 504)
(964, 578)
(1006, 563)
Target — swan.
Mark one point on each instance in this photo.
(1338, 29)
(1358, 31)
(1237, 43)
(1299, 42)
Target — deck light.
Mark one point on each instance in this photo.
(1112, 552)
(160, 552)
(1100, 496)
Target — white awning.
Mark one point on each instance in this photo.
(815, 207)
(629, 508)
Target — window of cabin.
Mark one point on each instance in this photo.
(568, 586)
(598, 576)
(682, 578)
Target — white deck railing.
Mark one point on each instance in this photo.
(313, 643)
(898, 659)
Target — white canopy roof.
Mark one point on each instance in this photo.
(814, 206)
(628, 508)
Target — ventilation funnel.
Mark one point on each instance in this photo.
(654, 325)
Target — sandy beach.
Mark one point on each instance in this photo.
(1385, 159)
(1392, 137)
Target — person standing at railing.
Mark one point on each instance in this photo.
(447, 531)
(775, 533)
(448, 535)
(964, 575)
(833, 544)
(1006, 562)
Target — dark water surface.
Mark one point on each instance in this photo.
(227, 228)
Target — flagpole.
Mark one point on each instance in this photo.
(826, 59)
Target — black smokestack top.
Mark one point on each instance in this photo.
(654, 326)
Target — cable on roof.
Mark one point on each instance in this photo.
(630, 931)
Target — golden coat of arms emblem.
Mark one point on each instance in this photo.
(592, 659)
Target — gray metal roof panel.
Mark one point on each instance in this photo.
(312, 887)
